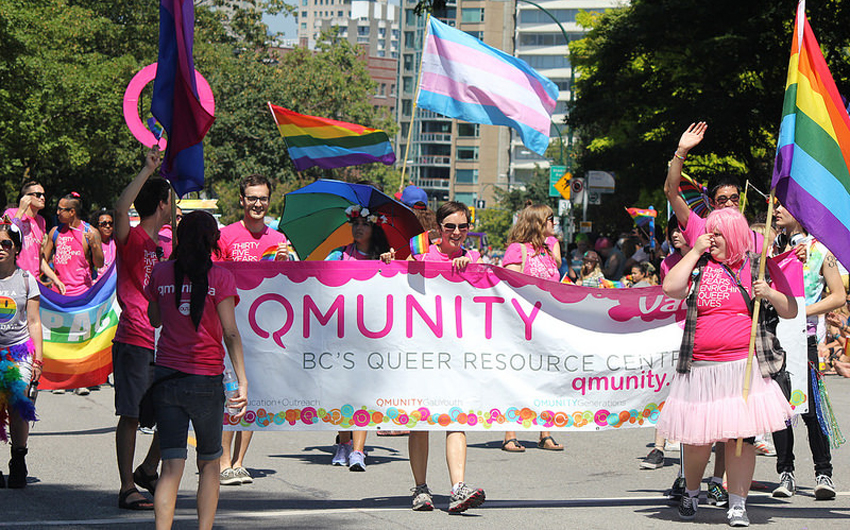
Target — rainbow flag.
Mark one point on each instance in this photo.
(78, 333)
(269, 254)
(610, 284)
(810, 175)
(327, 143)
(466, 79)
(419, 244)
(641, 216)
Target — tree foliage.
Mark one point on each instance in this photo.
(648, 70)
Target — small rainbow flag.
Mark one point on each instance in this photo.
(609, 284)
(811, 175)
(327, 143)
(269, 254)
(78, 332)
(419, 244)
(642, 217)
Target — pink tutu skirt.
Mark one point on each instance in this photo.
(707, 404)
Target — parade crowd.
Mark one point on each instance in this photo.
(711, 262)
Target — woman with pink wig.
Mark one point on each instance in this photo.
(719, 278)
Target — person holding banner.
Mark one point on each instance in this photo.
(21, 358)
(705, 403)
(820, 270)
(248, 239)
(73, 246)
(32, 225)
(528, 252)
(138, 250)
(193, 300)
(453, 221)
(369, 243)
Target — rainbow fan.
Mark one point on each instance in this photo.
(695, 194)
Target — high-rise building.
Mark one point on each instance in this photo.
(452, 159)
(372, 24)
(543, 45)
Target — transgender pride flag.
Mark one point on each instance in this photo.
(811, 174)
(464, 78)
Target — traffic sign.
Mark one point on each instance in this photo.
(563, 185)
(555, 174)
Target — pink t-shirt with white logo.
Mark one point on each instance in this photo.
(136, 259)
(32, 230)
(237, 243)
(182, 347)
(69, 259)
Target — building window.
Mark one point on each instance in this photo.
(304, 14)
(406, 107)
(407, 85)
(546, 61)
(409, 40)
(362, 30)
(303, 25)
(466, 176)
(533, 16)
(304, 2)
(477, 34)
(467, 153)
(547, 39)
(339, 13)
(472, 14)
(467, 130)
(408, 62)
(392, 90)
(466, 198)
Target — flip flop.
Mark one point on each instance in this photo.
(143, 480)
(517, 447)
(542, 444)
(137, 505)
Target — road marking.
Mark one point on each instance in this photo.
(233, 515)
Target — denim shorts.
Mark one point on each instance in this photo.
(199, 398)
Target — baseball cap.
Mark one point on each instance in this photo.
(414, 194)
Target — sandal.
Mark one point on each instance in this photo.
(555, 445)
(516, 448)
(137, 505)
(143, 480)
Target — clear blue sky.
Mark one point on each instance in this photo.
(282, 23)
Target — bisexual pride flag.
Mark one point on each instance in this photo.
(313, 141)
(78, 333)
(810, 175)
(463, 78)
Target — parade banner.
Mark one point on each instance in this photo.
(78, 333)
(412, 345)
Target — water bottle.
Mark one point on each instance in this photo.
(231, 390)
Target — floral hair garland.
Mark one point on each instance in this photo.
(5, 220)
(356, 211)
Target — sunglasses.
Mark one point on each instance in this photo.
(36, 194)
(723, 199)
(61, 209)
(106, 224)
(159, 253)
(451, 227)
(7, 244)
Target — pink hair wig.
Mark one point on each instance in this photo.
(735, 230)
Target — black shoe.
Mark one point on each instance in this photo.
(717, 494)
(688, 507)
(18, 469)
(677, 490)
(2, 481)
(653, 460)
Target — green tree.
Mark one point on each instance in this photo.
(648, 70)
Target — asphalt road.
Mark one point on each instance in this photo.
(595, 483)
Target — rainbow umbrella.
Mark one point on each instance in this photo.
(695, 195)
(315, 222)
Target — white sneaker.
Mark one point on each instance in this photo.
(737, 516)
(343, 451)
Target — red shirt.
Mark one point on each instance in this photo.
(182, 347)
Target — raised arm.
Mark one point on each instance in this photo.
(690, 139)
(122, 206)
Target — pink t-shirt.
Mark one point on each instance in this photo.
(696, 228)
(166, 235)
(434, 254)
(69, 259)
(182, 347)
(136, 259)
(237, 243)
(723, 319)
(109, 250)
(670, 262)
(33, 230)
(540, 265)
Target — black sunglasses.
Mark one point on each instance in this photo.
(36, 194)
(7, 244)
(452, 227)
(106, 224)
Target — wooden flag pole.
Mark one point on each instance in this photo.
(756, 310)
(415, 101)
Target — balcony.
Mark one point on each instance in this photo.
(434, 184)
(431, 115)
(434, 160)
(436, 137)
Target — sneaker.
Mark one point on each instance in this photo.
(764, 448)
(787, 485)
(357, 461)
(244, 476)
(677, 490)
(228, 478)
(717, 494)
(737, 516)
(653, 460)
(671, 446)
(58, 391)
(422, 500)
(147, 430)
(688, 507)
(466, 497)
(343, 451)
(82, 391)
(825, 489)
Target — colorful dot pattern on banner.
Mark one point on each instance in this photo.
(8, 308)
(347, 417)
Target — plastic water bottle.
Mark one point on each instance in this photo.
(231, 389)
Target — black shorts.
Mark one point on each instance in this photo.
(132, 367)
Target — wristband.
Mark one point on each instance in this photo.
(37, 362)
(680, 157)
